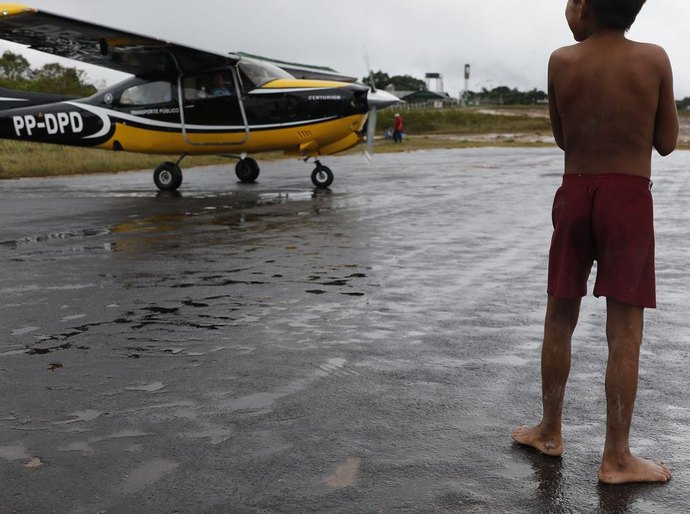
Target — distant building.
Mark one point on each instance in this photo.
(417, 99)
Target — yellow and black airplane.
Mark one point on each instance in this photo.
(180, 100)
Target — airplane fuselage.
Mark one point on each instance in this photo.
(183, 116)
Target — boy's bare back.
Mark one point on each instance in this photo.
(611, 101)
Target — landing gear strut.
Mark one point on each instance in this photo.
(322, 176)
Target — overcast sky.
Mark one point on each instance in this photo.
(507, 43)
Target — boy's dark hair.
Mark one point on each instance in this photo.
(616, 14)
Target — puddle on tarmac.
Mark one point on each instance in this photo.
(81, 416)
(147, 474)
(215, 434)
(335, 367)
(149, 388)
(256, 401)
(508, 360)
(13, 453)
(72, 317)
(123, 434)
(344, 475)
(264, 401)
(13, 352)
(23, 331)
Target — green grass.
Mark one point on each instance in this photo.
(472, 120)
(21, 159)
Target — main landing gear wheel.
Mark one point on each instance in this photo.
(168, 176)
(322, 176)
(247, 170)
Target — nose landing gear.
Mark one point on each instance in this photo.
(247, 170)
(322, 176)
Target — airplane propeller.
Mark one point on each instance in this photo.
(376, 99)
(373, 115)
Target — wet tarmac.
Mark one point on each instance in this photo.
(272, 348)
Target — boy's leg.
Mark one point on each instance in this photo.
(560, 322)
(624, 325)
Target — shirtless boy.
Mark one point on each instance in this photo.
(611, 102)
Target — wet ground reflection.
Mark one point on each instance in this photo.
(273, 348)
(548, 473)
(613, 500)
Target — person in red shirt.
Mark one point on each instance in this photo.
(397, 129)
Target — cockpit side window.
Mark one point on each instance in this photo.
(147, 93)
(208, 85)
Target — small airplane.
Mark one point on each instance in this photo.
(183, 101)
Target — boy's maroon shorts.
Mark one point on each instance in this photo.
(607, 218)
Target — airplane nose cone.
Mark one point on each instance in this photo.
(380, 99)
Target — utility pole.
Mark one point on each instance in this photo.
(466, 91)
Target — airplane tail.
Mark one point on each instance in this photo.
(12, 99)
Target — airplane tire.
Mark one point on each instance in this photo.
(322, 176)
(247, 170)
(168, 176)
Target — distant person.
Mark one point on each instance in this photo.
(218, 87)
(398, 128)
(611, 102)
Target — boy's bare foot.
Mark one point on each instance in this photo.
(535, 437)
(633, 469)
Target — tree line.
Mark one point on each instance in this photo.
(16, 73)
(503, 95)
(499, 95)
(381, 80)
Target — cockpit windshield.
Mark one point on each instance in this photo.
(257, 73)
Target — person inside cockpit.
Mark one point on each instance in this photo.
(218, 87)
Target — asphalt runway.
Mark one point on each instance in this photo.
(271, 348)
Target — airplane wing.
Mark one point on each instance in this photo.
(103, 46)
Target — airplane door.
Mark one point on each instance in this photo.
(211, 109)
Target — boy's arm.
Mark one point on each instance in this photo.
(666, 122)
(555, 116)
